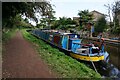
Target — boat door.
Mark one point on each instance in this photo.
(65, 42)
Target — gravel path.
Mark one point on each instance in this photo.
(20, 60)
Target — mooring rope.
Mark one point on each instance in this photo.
(93, 64)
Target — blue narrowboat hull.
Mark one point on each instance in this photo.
(67, 43)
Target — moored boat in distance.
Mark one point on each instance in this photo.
(72, 43)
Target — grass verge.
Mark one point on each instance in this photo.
(63, 65)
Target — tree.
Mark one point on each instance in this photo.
(116, 13)
(65, 23)
(85, 20)
(43, 22)
(26, 20)
(55, 24)
(50, 18)
(114, 8)
(101, 25)
(11, 9)
(109, 14)
(85, 17)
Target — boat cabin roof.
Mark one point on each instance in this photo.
(57, 32)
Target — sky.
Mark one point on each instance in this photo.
(70, 8)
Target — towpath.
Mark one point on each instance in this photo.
(20, 60)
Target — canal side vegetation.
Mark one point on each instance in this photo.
(13, 13)
(8, 34)
(63, 65)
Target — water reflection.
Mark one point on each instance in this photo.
(114, 53)
(107, 70)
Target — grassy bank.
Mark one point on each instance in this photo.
(61, 64)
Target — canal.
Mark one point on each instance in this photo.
(114, 53)
(112, 67)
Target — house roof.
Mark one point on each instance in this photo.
(97, 12)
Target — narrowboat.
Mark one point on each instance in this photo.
(73, 44)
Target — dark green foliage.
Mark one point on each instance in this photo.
(26, 20)
(100, 25)
(63, 23)
(11, 9)
(55, 24)
(117, 30)
(85, 17)
(47, 22)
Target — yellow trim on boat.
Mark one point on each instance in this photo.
(87, 58)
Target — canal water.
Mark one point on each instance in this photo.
(114, 53)
(110, 68)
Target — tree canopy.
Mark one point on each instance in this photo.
(63, 23)
(101, 25)
(85, 17)
(11, 9)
